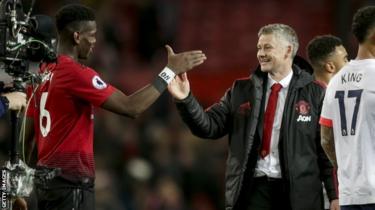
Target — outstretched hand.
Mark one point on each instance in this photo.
(179, 87)
(185, 61)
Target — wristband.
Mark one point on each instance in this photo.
(167, 75)
(164, 78)
(159, 84)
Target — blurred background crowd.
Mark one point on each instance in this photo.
(154, 163)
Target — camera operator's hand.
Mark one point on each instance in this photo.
(17, 100)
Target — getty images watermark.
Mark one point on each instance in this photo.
(4, 189)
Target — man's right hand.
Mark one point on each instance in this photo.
(17, 100)
(179, 87)
(183, 62)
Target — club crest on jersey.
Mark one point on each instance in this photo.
(303, 109)
(98, 83)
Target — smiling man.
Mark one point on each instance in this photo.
(275, 160)
(61, 111)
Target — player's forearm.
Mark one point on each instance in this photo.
(135, 104)
(328, 144)
(141, 100)
(131, 106)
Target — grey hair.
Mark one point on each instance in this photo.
(284, 31)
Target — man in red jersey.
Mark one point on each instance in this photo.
(61, 109)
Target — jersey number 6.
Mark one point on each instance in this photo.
(44, 115)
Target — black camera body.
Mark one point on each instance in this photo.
(24, 38)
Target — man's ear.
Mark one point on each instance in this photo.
(76, 37)
(330, 67)
(371, 36)
(289, 51)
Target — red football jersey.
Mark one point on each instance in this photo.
(62, 108)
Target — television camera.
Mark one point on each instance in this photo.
(23, 39)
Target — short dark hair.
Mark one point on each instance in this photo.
(73, 13)
(363, 21)
(321, 47)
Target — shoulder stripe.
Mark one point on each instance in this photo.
(326, 122)
(320, 83)
(243, 78)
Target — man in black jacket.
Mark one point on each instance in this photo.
(275, 160)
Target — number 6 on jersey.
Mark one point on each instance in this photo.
(44, 114)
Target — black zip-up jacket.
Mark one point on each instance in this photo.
(239, 114)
